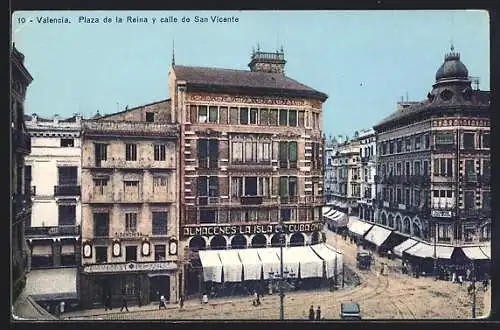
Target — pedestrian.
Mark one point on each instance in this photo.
(311, 313)
(318, 314)
(485, 284)
(181, 301)
(256, 300)
(454, 277)
(61, 306)
(124, 304)
(467, 274)
(163, 302)
(204, 299)
(382, 266)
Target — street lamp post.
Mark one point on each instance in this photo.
(473, 291)
(282, 289)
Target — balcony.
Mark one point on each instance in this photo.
(444, 148)
(476, 213)
(484, 179)
(128, 128)
(251, 200)
(129, 197)
(67, 190)
(22, 141)
(100, 196)
(206, 200)
(313, 200)
(289, 199)
(159, 196)
(401, 206)
(52, 231)
(470, 178)
(251, 166)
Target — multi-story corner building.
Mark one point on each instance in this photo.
(20, 186)
(54, 170)
(368, 154)
(252, 150)
(130, 206)
(347, 177)
(434, 162)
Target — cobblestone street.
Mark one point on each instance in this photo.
(390, 296)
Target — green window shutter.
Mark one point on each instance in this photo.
(293, 151)
(283, 152)
(283, 186)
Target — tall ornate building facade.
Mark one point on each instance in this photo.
(434, 163)
(54, 168)
(130, 173)
(368, 154)
(252, 155)
(20, 205)
(347, 177)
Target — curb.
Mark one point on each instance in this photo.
(142, 310)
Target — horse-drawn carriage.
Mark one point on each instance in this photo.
(364, 259)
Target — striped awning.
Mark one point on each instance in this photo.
(42, 251)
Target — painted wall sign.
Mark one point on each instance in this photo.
(247, 99)
(129, 267)
(441, 214)
(212, 230)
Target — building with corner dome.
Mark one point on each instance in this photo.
(433, 171)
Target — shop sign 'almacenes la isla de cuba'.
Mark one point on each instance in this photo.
(210, 230)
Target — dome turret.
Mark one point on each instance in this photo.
(452, 68)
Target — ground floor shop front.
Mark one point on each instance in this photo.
(137, 287)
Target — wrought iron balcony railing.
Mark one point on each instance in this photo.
(67, 190)
(52, 230)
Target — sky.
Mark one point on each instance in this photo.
(365, 61)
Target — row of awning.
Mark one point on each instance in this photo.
(255, 263)
(378, 235)
(440, 251)
(46, 250)
(335, 217)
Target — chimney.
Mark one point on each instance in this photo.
(78, 118)
(34, 118)
(56, 119)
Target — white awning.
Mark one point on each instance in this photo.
(231, 265)
(399, 249)
(486, 250)
(310, 264)
(42, 251)
(48, 284)
(423, 250)
(475, 253)
(377, 235)
(67, 249)
(290, 260)
(270, 260)
(212, 266)
(252, 266)
(358, 227)
(329, 256)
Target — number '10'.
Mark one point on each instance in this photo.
(21, 20)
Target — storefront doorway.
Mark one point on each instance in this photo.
(159, 285)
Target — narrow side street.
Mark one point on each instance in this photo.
(390, 296)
